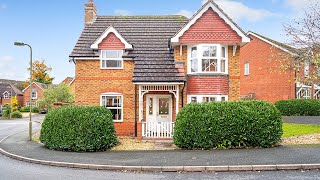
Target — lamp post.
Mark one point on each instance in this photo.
(30, 121)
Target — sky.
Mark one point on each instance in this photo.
(52, 27)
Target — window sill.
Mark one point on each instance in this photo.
(111, 68)
(117, 121)
(208, 73)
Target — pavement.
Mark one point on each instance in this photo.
(302, 119)
(18, 147)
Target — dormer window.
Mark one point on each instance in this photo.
(111, 59)
(6, 95)
(208, 58)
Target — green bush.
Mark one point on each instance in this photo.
(16, 114)
(27, 109)
(228, 125)
(6, 111)
(79, 129)
(299, 107)
(35, 110)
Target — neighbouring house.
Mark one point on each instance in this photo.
(70, 81)
(263, 75)
(37, 93)
(7, 91)
(144, 69)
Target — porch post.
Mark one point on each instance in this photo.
(177, 98)
(140, 104)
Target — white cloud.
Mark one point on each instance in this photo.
(122, 12)
(239, 11)
(6, 59)
(185, 13)
(300, 5)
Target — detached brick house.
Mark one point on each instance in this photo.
(37, 93)
(146, 68)
(263, 78)
(7, 91)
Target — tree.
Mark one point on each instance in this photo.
(54, 94)
(40, 73)
(14, 103)
(304, 35)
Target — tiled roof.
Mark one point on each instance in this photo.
(10, 88)
(282, 45)
(149, 35)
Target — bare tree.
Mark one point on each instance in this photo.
(304, 35)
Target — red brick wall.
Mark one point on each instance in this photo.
(26, 94)
(210, 28)
(208, 85)
(91, 82)
(111, 42)
(267, 79)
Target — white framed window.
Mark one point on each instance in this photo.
(206, 98)
(33, 104)
(111, 59)
(208, 58)
(246, 69)
(6, 95)
(34, 94)
(113, 102)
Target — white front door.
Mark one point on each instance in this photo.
(159, 108)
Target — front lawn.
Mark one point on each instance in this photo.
(299, 129)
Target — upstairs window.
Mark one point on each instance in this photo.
(208, 58)
(246, 69)
(111, 59)
(6, 95)
(34, 94)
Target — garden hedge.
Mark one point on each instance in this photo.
(299, 107)
(79, 129)
(27, 109)
(228, 125)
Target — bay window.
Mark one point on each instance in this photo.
(113, 102)
(111, 59)
(208, 58)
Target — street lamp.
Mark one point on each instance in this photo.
(30, 121)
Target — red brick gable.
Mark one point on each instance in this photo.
(111, 42)
(210, 28)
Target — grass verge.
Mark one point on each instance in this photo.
(299, 129)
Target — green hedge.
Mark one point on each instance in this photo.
(6, 111)
(228, 125)
(16, 114)
(27, 109)
(299, 107)
(78, 129)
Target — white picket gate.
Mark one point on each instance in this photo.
(153, 129)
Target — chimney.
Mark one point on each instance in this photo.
(90, 12)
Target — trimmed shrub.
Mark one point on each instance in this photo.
(16, 114)
(27, 109)
(79, 129)
(299, 107)
(228, 125)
